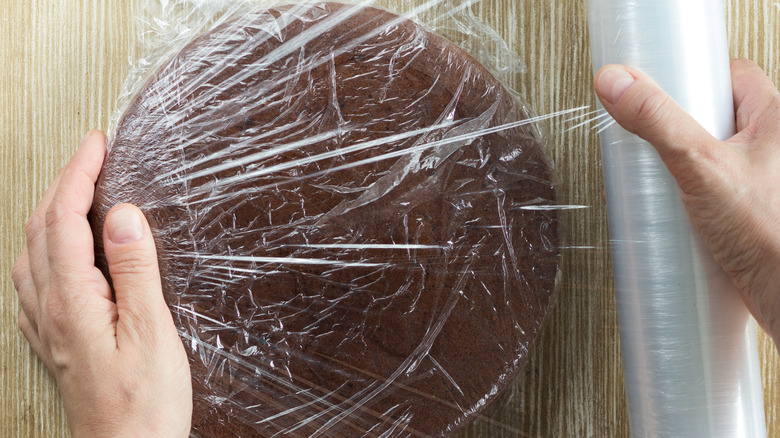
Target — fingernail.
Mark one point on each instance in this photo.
(86, 136)
(613, 83)
(124, 226)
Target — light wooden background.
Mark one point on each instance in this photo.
(63, 62)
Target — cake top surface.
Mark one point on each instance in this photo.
(344, 209)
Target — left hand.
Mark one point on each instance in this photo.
(120, 365)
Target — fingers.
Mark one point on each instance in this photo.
(68, 235)
(25, 287)
(50, 235)
(28, 301)
(35, 230)
(643, 108)
(753, 91)
(31, 334)
(132, 263)
(31, 272)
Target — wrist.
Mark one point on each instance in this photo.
(763, 291)
(128, 422)
(124, 428)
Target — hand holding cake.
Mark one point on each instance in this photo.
(119, 365)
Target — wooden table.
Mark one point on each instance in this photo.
(64, 62)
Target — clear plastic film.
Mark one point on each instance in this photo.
(355, 220)
(689, 345)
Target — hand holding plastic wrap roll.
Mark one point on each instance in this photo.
(350, 213)
(689, 346)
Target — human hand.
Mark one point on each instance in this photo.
(731, 189)
(120, 366)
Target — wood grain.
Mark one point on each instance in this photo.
(65, 61)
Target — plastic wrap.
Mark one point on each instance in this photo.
(354, 219)
(689, 345)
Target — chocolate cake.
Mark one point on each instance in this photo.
(346, 211)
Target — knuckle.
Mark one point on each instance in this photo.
(59, 355)
(134, 261)
(55, 318)
(695, 168)
(22, 323)
(651, 110)
(26, 325)
(55, 213)
(145, 325)
(35, 225)
(773, 105)
(691, 153)
(19, 274)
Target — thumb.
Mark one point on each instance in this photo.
(643, 108)
(132, 264)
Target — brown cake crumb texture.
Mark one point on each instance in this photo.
(349, 245)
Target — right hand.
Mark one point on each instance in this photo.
(730, 188)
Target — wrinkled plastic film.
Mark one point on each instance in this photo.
(355, 220)
(689, 345)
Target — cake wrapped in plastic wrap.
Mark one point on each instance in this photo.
(352, 221)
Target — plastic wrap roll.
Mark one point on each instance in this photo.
(688, 343)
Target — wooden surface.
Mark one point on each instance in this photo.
(65, 60)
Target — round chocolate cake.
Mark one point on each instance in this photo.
(348, 211)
